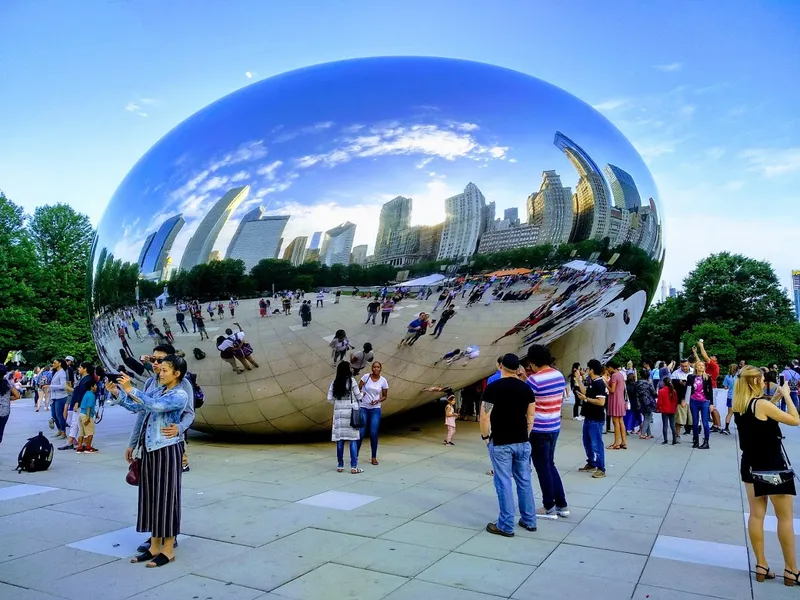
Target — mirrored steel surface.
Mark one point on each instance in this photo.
(384, 161)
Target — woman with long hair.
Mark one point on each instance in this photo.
(345, 395)
(667, 405)
(161, 462)
(576, 385)
(765, 468)
(8, 393)
(375, 389)
(728, 383)
(700, 394)
(616, 405)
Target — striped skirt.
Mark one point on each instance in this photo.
(160, 491)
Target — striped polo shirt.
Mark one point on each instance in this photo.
(548, 387)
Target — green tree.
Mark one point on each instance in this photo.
(629, 352)
(764, 344)
(717, 340)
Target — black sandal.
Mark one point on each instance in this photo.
(790, 581)
(767, 574)
(159, 561)
(143, 557)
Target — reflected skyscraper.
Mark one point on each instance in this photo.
(591, 199)
(551, 210)
(316, 238)
(395, 219)
(623, 189)
(257, 237)
(465, 220)
(198, 250)
(796, 293)
(157, 247)
(511, 215)
(359, 256)
(337, 243)
(145, 248)
(296, 250)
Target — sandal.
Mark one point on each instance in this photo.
(767, 574)
(612, 447)
(159, 561)
(356, 471)
(339, 469)
(624, 446)
(789, 581)
(143, 557)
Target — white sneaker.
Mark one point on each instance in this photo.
(580, 418)
(562, 512)
(541, 513)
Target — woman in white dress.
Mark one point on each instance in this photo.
(344, 394)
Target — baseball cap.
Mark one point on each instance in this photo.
(70, 358)
(511, 362)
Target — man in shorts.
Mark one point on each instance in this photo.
(413, 327)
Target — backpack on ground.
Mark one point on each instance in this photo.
(199, 396)
(36, 455)
(199, 354)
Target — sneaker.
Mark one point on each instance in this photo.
(726, 431)
(598, 474)
(543, 513)
(68, 447)
(580, 418)
(91, 449)
(493, 528)
(562, 512)
(186, 469)
(587, 467)
(52, 424)
(521, 524)
(664, 443)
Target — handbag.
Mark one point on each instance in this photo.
(132, 477)
(775, 477)
(356, 418)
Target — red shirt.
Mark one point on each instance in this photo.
(712, 368)
(667, 403)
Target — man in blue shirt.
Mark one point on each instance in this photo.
(497, 374)
(86, 419)
(413, 327)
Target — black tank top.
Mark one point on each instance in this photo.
(760, 441)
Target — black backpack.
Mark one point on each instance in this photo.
(199, 354)
(36, 455)
(199, 396)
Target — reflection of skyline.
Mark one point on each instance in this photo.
(258, 236)
(156, 249)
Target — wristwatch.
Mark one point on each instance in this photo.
(485, 437)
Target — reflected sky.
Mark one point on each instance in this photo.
(332, 143)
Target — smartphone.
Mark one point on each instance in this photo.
(783, 380)
(112, 377)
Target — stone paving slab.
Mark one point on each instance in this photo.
(249, 536)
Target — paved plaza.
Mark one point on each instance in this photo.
(277, 521)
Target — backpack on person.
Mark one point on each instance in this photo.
(199, 396)
(198, 354)
(36, 455)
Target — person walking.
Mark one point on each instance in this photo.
(386, 310)
(372, 311)
(548, 387)
(765, 468)
(646, 394)
(344, 394)
(375, 390)
(667, 405)
(446, 315)
(321, 299)
(593, 412)
(506, 421)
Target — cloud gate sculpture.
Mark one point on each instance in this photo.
(355, 175)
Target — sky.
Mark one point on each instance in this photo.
(705, 91)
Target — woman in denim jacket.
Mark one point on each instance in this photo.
(161, 458)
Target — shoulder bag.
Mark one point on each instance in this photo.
(773, 477)
(132, 477)
(356, 419)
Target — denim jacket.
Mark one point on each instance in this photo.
(163, 406)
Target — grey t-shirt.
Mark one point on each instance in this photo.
(360, 359)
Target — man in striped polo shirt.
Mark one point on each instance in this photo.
(548, 386)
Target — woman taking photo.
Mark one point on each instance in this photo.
(8, 393)
(575, 386)
(765, 469)
(160, 466)
(345, 395)
(376, 389)
(700, 394)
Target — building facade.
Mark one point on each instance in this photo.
(359, 256)
(623, 189)
(395, 219)
(796, 293)
(511, 215)
(296, 250)
(316, 239)
(551, 210)
(509, 239)
(257, 237)
(337, 244)
(465, 221)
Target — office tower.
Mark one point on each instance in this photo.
(430, 237)
(296, 250)
(673, 293)
(796, 293)
(257, 237)
(465, 218)
(154, 257)
(623, 188)
(337, 243)
(591, 199)
(663, 290)
(488, 217)
(551, 210)
(311, 256)
(509, 239)
(511, 215)
(316, 238)
(145, 248)
(199, 248)
(619, 226)
(359, 255)
(394, 220)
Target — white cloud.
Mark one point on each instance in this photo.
(671, 67)
(248, 74)
(512, 160)
(715, 153)
(214, 183)
(132, 107)
(687, 110)
(247, 152)
(268, 171)
(773, 162)
(240, 176)
(135, 106)
(315, 128)
(734, 185)
(421, 164)
(613, 104)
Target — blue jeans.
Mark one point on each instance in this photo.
(543, 451)
(699, 407)
(353, 453)
(593, 444)
(513, 460)
(372, 419)
(58, 413)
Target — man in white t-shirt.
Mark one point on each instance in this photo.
(375, 389)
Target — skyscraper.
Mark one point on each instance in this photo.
(488, 217)
(465, 218)
(160, 243)
(551, 210)
(145, 248)
(316, 238)
(257, 237)
(623, 189)
(796, 293)
(511, 215)
(359, 254)
(199, 248)
(395, 219)
(591, 199)
(337, 243)
(296, 250)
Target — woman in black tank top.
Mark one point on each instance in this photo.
(758, 422)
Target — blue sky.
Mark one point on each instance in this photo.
(706, 91)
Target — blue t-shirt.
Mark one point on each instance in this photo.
(414, 326)
(494, 377)
(88, 403)
(729, 382)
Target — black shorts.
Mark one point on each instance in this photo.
(765, 489)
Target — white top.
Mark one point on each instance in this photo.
(320, 295)
(228, 343)
(372, 391)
